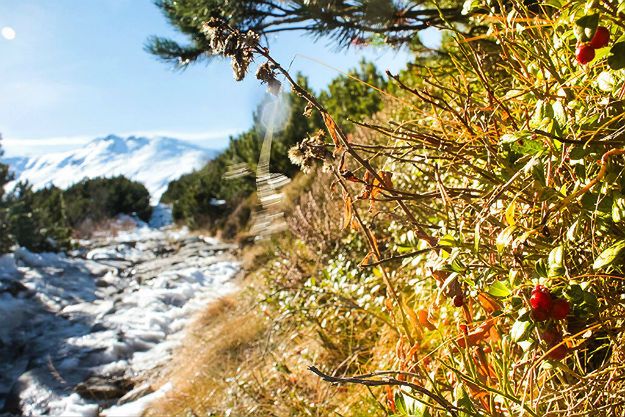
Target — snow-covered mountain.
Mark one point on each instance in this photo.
(152, 161)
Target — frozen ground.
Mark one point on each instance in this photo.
(79, 333)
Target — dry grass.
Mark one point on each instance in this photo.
(218, 341)
(240, 360)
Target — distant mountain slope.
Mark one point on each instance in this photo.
(152, 161)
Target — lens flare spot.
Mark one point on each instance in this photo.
(8, 33)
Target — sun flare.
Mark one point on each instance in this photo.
(8, 33)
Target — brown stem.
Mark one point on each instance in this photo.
(602, 171)
(390, 381)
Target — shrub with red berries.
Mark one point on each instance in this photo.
(601, 38)
(585, 51)
(544, 306)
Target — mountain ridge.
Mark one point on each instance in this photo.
(153, 161)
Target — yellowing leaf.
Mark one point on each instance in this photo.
(510, 213)
(333, 130)
(348, 211)
(489, 304)
(366, 259)
(447, 241)
(475, 335)
(424, 320)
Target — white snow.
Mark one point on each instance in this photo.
(161, 216)
(7, 265)
(115, 311)
(155, 162)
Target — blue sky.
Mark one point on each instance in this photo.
(76, 69)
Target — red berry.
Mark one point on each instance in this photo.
(560, 309)
(601, 38)
(458, 301)
(584, 54)
(541, 299)
(539, 315)
(558, 353)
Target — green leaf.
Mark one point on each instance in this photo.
(499, 289)
(538, 173)
(579, 152)
(448, 241)
(618, 208)
(463, 402)
(586, 26)
(520, 330)
(516, 302)
(538, 115)
(469, 6)
(606, 82)
(524, 314)
(541, 268)
(559, 114)
(575, 293)
(555, 262)
(457, 266)
(526, 345)
(609, 255)
(527, 147)
(591, 304)
(616, 59)
(408, 406)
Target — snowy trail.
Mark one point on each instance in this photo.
(78, 333)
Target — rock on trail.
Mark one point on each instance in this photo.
(79, 334)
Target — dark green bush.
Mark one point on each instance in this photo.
(102, 198)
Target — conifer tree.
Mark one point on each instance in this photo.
(24, 221)
(347, 22)
(5, 175)
(6, 240)
(53, 222)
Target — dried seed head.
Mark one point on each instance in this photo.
(240, 63)
(296, 155)
(266, 74)
(231, 45)
(230, 42)
(309, 150)
(251, 39)
(308, 110)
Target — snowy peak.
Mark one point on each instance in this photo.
(115, 144)
(155, 162)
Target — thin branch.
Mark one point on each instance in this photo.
(363, 380)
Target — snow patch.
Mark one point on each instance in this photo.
(114, 311)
